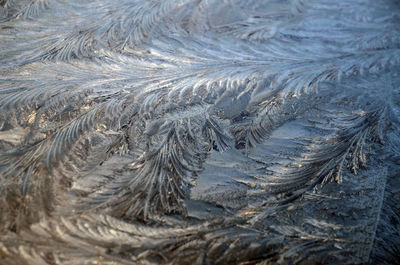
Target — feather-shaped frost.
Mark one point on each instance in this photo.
(204, 132)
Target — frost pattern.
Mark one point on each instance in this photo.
(205, 132)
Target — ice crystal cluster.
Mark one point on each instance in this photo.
(199, 132)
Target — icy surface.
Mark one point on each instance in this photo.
(199, 132)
